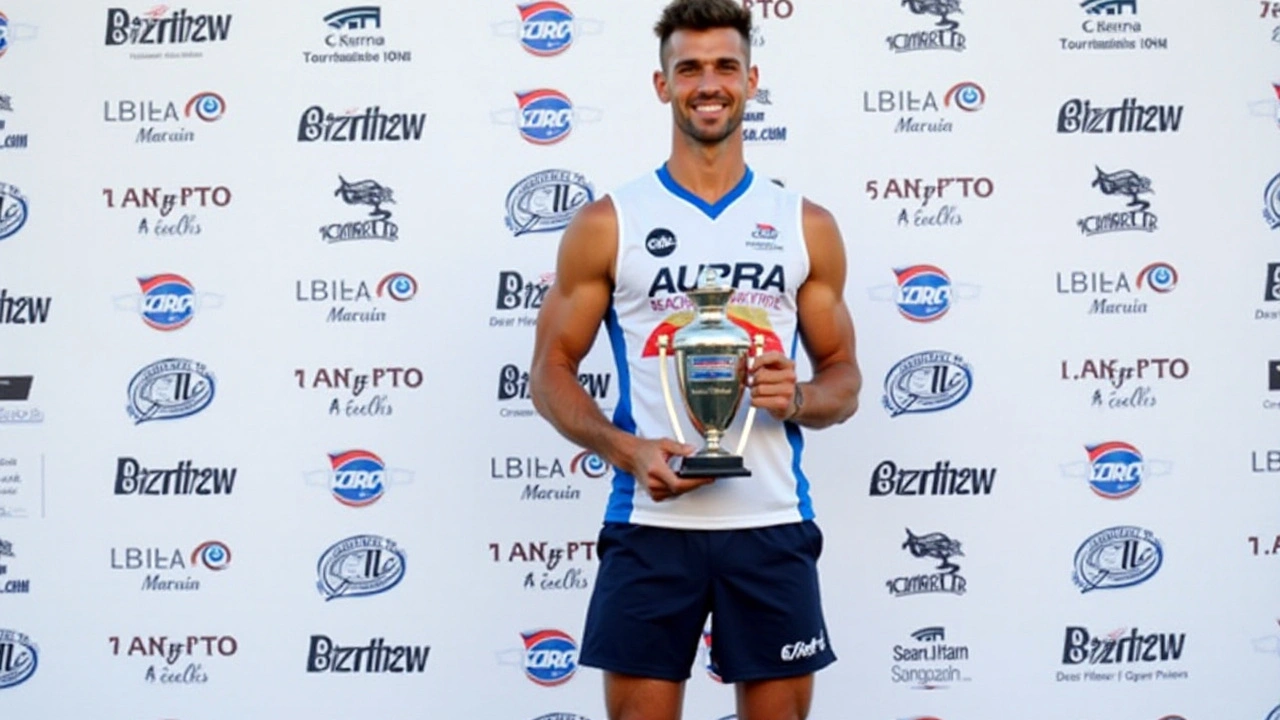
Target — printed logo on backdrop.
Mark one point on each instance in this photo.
(1115, 469)
(354, 35)
(1113, 292)
(1270, 294)
(944, 35)
(931, 546)
(756, 126)
(519, 298)
(926, 382)
(764, 12)
(1101, 32)
(19, 657)
(947, 191)
(168, 301)
(1126, 654)
(360, 392)
(548, 478)
(360, 566)
(925, 111)
(1116, 558)
(1269, 107)
(353, 125)
(546, 201)
(1265, 461)
(1274, 714)
(1124, 384)
(325, 655)
(357, 301)
(929, 662)
(184, 478)
(164, 32)
(549, 657)
(1270, 209)
(1265, 545)
(369, 193)
(1083, 116)
(357, 478)
(160, 121)
(15, 392)
(10, 585)
(1273, 384)
(546, 29)
(13, 210)
(9, 140)
(169, 389)
(1125, 183)
(940, 480)
(1268, 644)
(923, 293)
(175, 660)
(545, 116)
(11, 32)
(21, 486)
(170, 570)
(23, 309)
(557, 566)
(164, 202)
(513, 391)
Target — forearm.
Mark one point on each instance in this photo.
(831, 397)
(559, 398)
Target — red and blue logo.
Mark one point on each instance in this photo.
(359, 478)
(546, 28)
(589, 464)
(1159, 276)
(924, 293)
(546, 116)
(1116, 469)
(550, 657)
(168, 301)
(398, 286)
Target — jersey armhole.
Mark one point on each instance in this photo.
(618, 249)
(804, 241)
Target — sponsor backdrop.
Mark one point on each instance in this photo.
(268, 280)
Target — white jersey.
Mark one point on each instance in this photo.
(666, 235)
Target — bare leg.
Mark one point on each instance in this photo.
(781, 699)
(636, 698)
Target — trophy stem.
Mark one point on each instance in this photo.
(713, 438)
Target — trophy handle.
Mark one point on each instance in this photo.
(663, 343)
(757, 347)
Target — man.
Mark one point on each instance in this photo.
(674, 549)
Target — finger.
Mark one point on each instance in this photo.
(771, 359)
(670, 447)
(657, 490)
(775, 390)
(765, 376)
(684, 485)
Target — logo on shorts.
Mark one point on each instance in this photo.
(926, 382)
(660, 243)
(169, 389)
(1117, 557)
(359, 566)
(804, 648)
(550, 657)
(941, 548)
(546, 201)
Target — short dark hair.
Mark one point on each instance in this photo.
(701, 15)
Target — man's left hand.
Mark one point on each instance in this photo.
(772, 379)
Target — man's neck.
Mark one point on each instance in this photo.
(709, 172)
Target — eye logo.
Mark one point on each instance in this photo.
(1115, 469)
(212, 554)
(398, 286)
(1160, 277)
(924, 293)
(546, 28)
(589, 464)
(168, 301)
(208, 106)
(968, 96)
(546, 116)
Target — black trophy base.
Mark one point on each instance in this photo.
(712, 466)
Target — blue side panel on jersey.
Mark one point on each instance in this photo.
(624, 485)
(796, 440)
(711, 211)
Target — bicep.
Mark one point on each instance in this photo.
(578, 299)
(826, 325)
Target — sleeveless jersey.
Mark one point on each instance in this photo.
(666, 235)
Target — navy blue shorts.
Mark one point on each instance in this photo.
(656, 587)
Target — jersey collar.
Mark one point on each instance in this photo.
(712, 211)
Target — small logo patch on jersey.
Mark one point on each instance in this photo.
(660, 243)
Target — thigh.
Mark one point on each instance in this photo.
(779, 699)
(636, 698)
(650, 602)
(767, 620)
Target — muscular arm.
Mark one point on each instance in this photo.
(567, 326)
(826, 329)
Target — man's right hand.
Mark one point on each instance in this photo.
(650, 463)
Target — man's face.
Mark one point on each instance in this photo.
(707, 80)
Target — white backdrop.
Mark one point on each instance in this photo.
(487, 525)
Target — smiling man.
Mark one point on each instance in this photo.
(674, 549)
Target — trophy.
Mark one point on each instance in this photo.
(711, 365)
